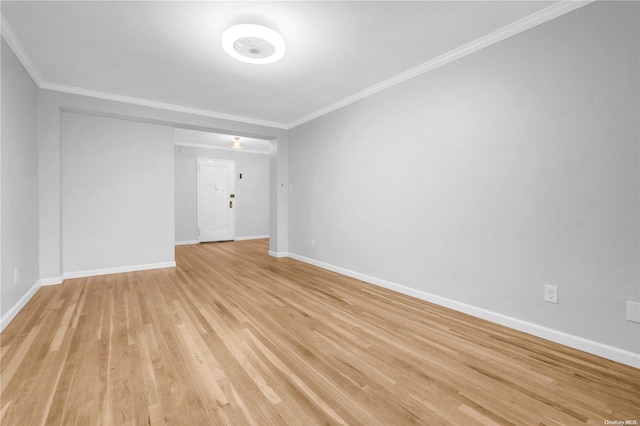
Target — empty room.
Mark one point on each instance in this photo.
(320, 213)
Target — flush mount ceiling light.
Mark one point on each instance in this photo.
(253, 43)
(236, 143)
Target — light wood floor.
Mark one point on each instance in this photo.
(233, 336)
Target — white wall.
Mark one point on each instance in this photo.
(252, 191)
(117, 193)
(19, 204)
(53, 104)
(186, 193)
(483, 180)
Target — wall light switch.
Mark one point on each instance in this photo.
(633, 311)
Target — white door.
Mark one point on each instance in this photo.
(216, 199)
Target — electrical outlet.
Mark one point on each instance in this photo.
(16, 274)
(313, 243)
(551, 293)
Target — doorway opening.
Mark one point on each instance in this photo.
(249, 184)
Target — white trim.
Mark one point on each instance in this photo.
(596, 348)
(17, 48)
(51, 281)
(537, 18)
(155, 104)
(252, 237)
(279, 255)
(220, 148)
(7, 317)
(11, 314)
(186, 243)
(26, 61)
(117, 270)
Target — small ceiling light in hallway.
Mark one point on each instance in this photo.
(253, 43)
(236, 143)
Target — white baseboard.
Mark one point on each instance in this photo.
(251, 237)
(11, 314)
(6, 318)
(186, 243)
(117, 270)
(278, 254)
(105, 271)
(51, 281)
(596, 348)
(254, 237)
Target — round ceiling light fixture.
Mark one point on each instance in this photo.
(253, 43)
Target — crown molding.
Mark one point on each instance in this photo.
(219, 148)
(16, 46)
(155, 104)
(535, 19)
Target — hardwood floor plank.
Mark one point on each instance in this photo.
(232, 336)
(15, 362)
